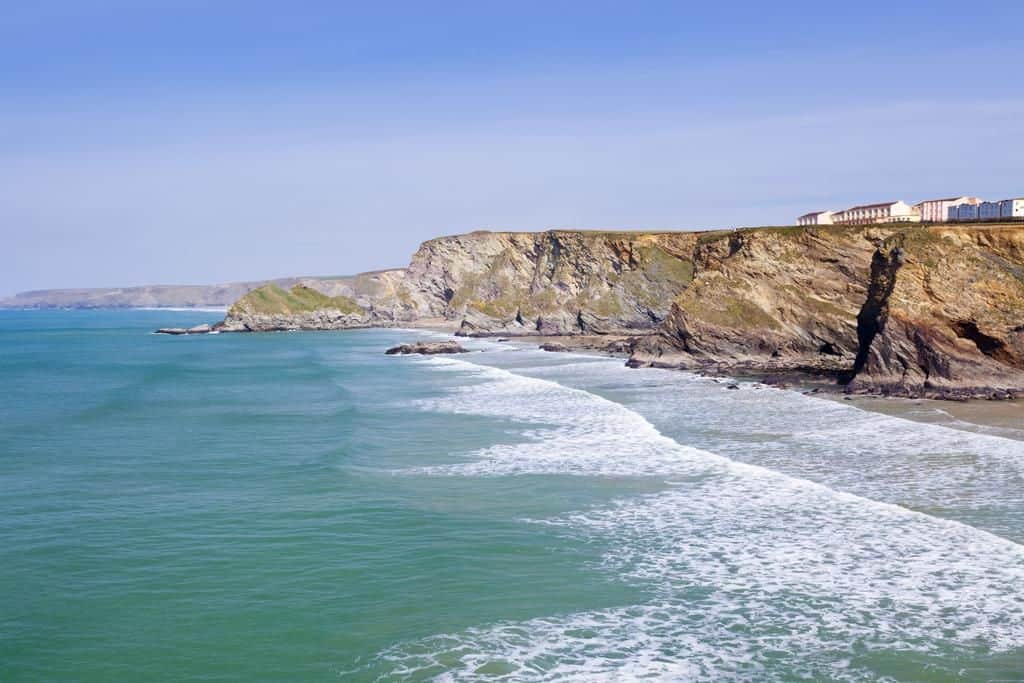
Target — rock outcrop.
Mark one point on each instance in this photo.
(270, 308)
(944, 316)
(916, 311)
(177, 331)
(426, 348)
(551, 283)
(770, 299)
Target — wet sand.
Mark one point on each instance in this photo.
(998, 418)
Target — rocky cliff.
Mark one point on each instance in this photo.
(909, 310)
(934, 311)
(944, 315)
(557, 282)
(487, 283)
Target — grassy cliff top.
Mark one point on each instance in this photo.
(271, 299)
(715, 232)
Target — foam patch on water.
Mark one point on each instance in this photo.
(753, 572)
(756, 576)
(565, 431)
(917, 465)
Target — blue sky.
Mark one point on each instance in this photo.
(175, 142)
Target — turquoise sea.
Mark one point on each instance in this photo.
(301, 507)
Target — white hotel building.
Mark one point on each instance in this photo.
(886, 212)
(937, 210)
(950, 209)
(816, 218)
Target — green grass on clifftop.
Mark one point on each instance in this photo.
(271, 299)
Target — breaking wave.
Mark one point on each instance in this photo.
(751, 570)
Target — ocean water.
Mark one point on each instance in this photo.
(302, 507)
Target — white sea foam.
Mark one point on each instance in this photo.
(878, 456)
(566, 431)
(752, 571)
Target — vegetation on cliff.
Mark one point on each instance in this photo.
(271, 299)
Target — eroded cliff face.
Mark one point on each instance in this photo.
(783, 299)
(379, 293)
(907, 310)
(946, 315)
(911, 311)
(556, 282)
(490, 283)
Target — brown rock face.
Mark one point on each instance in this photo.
(911, 311)
(778, 299)
(551, 283)
(945, 315)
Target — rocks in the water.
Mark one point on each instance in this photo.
(554, 346)
(777, 381)
(620, 346)
(426, 348)
(198, 329)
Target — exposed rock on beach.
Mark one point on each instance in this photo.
(427, 348)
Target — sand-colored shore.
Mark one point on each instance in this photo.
(998, 418)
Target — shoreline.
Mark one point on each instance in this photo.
(1003, 418)
(999, 417)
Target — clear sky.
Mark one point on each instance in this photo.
(180, 141)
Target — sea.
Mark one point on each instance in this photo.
(302, 507)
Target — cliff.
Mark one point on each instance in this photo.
(908, 310)
(770, 299)
(944, 316)
(918, 311)
(487, 283)
(557, 282)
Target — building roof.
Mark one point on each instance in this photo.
(873, 206)
(947, 199)
(815, 213)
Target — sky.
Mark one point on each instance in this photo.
(177, 142)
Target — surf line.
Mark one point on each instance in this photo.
(724, 464)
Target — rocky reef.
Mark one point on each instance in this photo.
(910, 310)
(426, 348)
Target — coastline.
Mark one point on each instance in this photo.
(1003, 418)
(996, 418)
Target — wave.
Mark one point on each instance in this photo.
(752, 571)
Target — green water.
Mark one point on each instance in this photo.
(302, 507)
